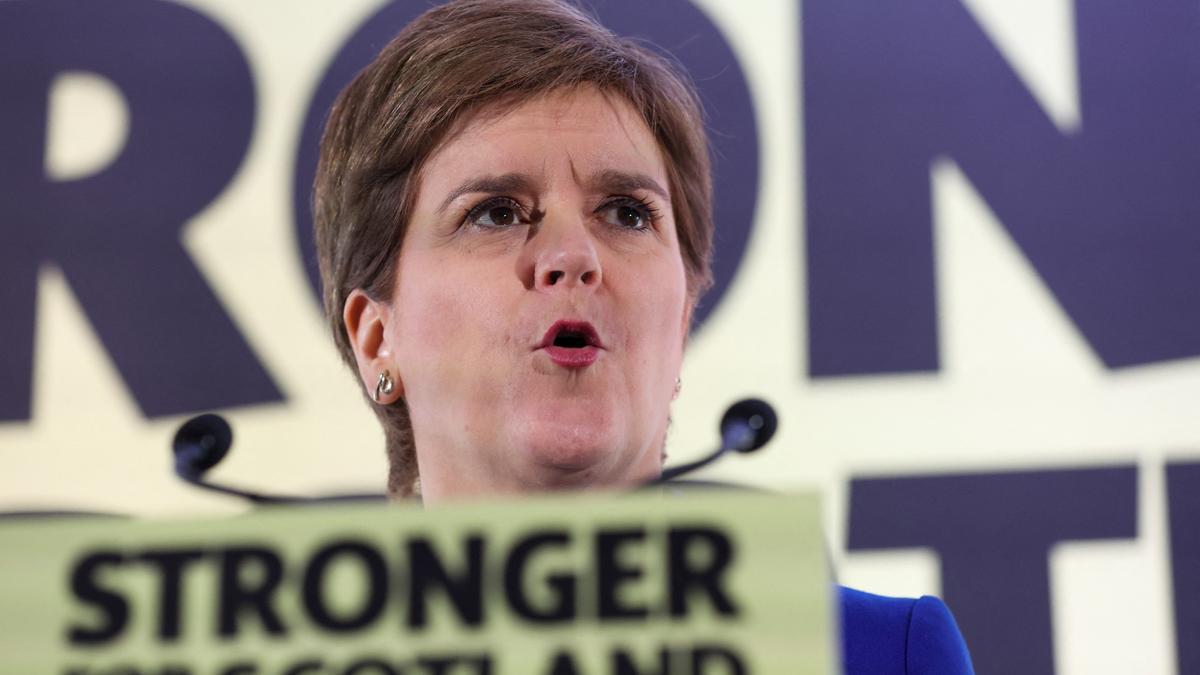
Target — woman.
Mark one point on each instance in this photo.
(472, 209)
(513, 216)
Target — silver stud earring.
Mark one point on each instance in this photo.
(678, 387)
(384, 385)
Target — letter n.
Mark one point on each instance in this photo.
(1108, 216)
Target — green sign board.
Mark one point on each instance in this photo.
(646, 584)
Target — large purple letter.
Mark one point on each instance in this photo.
(1109, 216)
(115, 234)
(1183, 506)
(993, 533)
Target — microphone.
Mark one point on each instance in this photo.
(745, 427)
(203, 441)
(200, 444)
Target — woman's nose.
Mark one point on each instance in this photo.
(565, 257)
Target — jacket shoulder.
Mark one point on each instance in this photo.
(905, 636)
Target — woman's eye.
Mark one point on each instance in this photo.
(496, 214)
(628, 214)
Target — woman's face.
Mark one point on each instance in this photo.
(540, 307)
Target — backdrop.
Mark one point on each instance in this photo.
(958, 247)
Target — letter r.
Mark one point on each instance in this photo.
(116, 234)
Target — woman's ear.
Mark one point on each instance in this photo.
(366, 320)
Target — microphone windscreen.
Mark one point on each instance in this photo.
(752, 414)
(200, 444)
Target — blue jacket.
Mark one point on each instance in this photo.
(901, 636)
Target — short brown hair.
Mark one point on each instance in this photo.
(442, 67)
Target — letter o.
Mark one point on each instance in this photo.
(373, 566)
(679, 27)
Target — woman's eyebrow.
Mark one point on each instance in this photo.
(613, 180)
(509, 182)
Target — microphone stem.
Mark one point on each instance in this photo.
(677, 471)
(738, 437)
(244, 494)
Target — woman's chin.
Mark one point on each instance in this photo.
(571, 450)
(563, 442)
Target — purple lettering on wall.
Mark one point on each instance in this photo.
(1183, 514)
(993, 534)
(1109, 216)
(675, 26)
(116, 234)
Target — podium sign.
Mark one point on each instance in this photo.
(644, 584)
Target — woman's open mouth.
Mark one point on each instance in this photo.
(572, 344)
